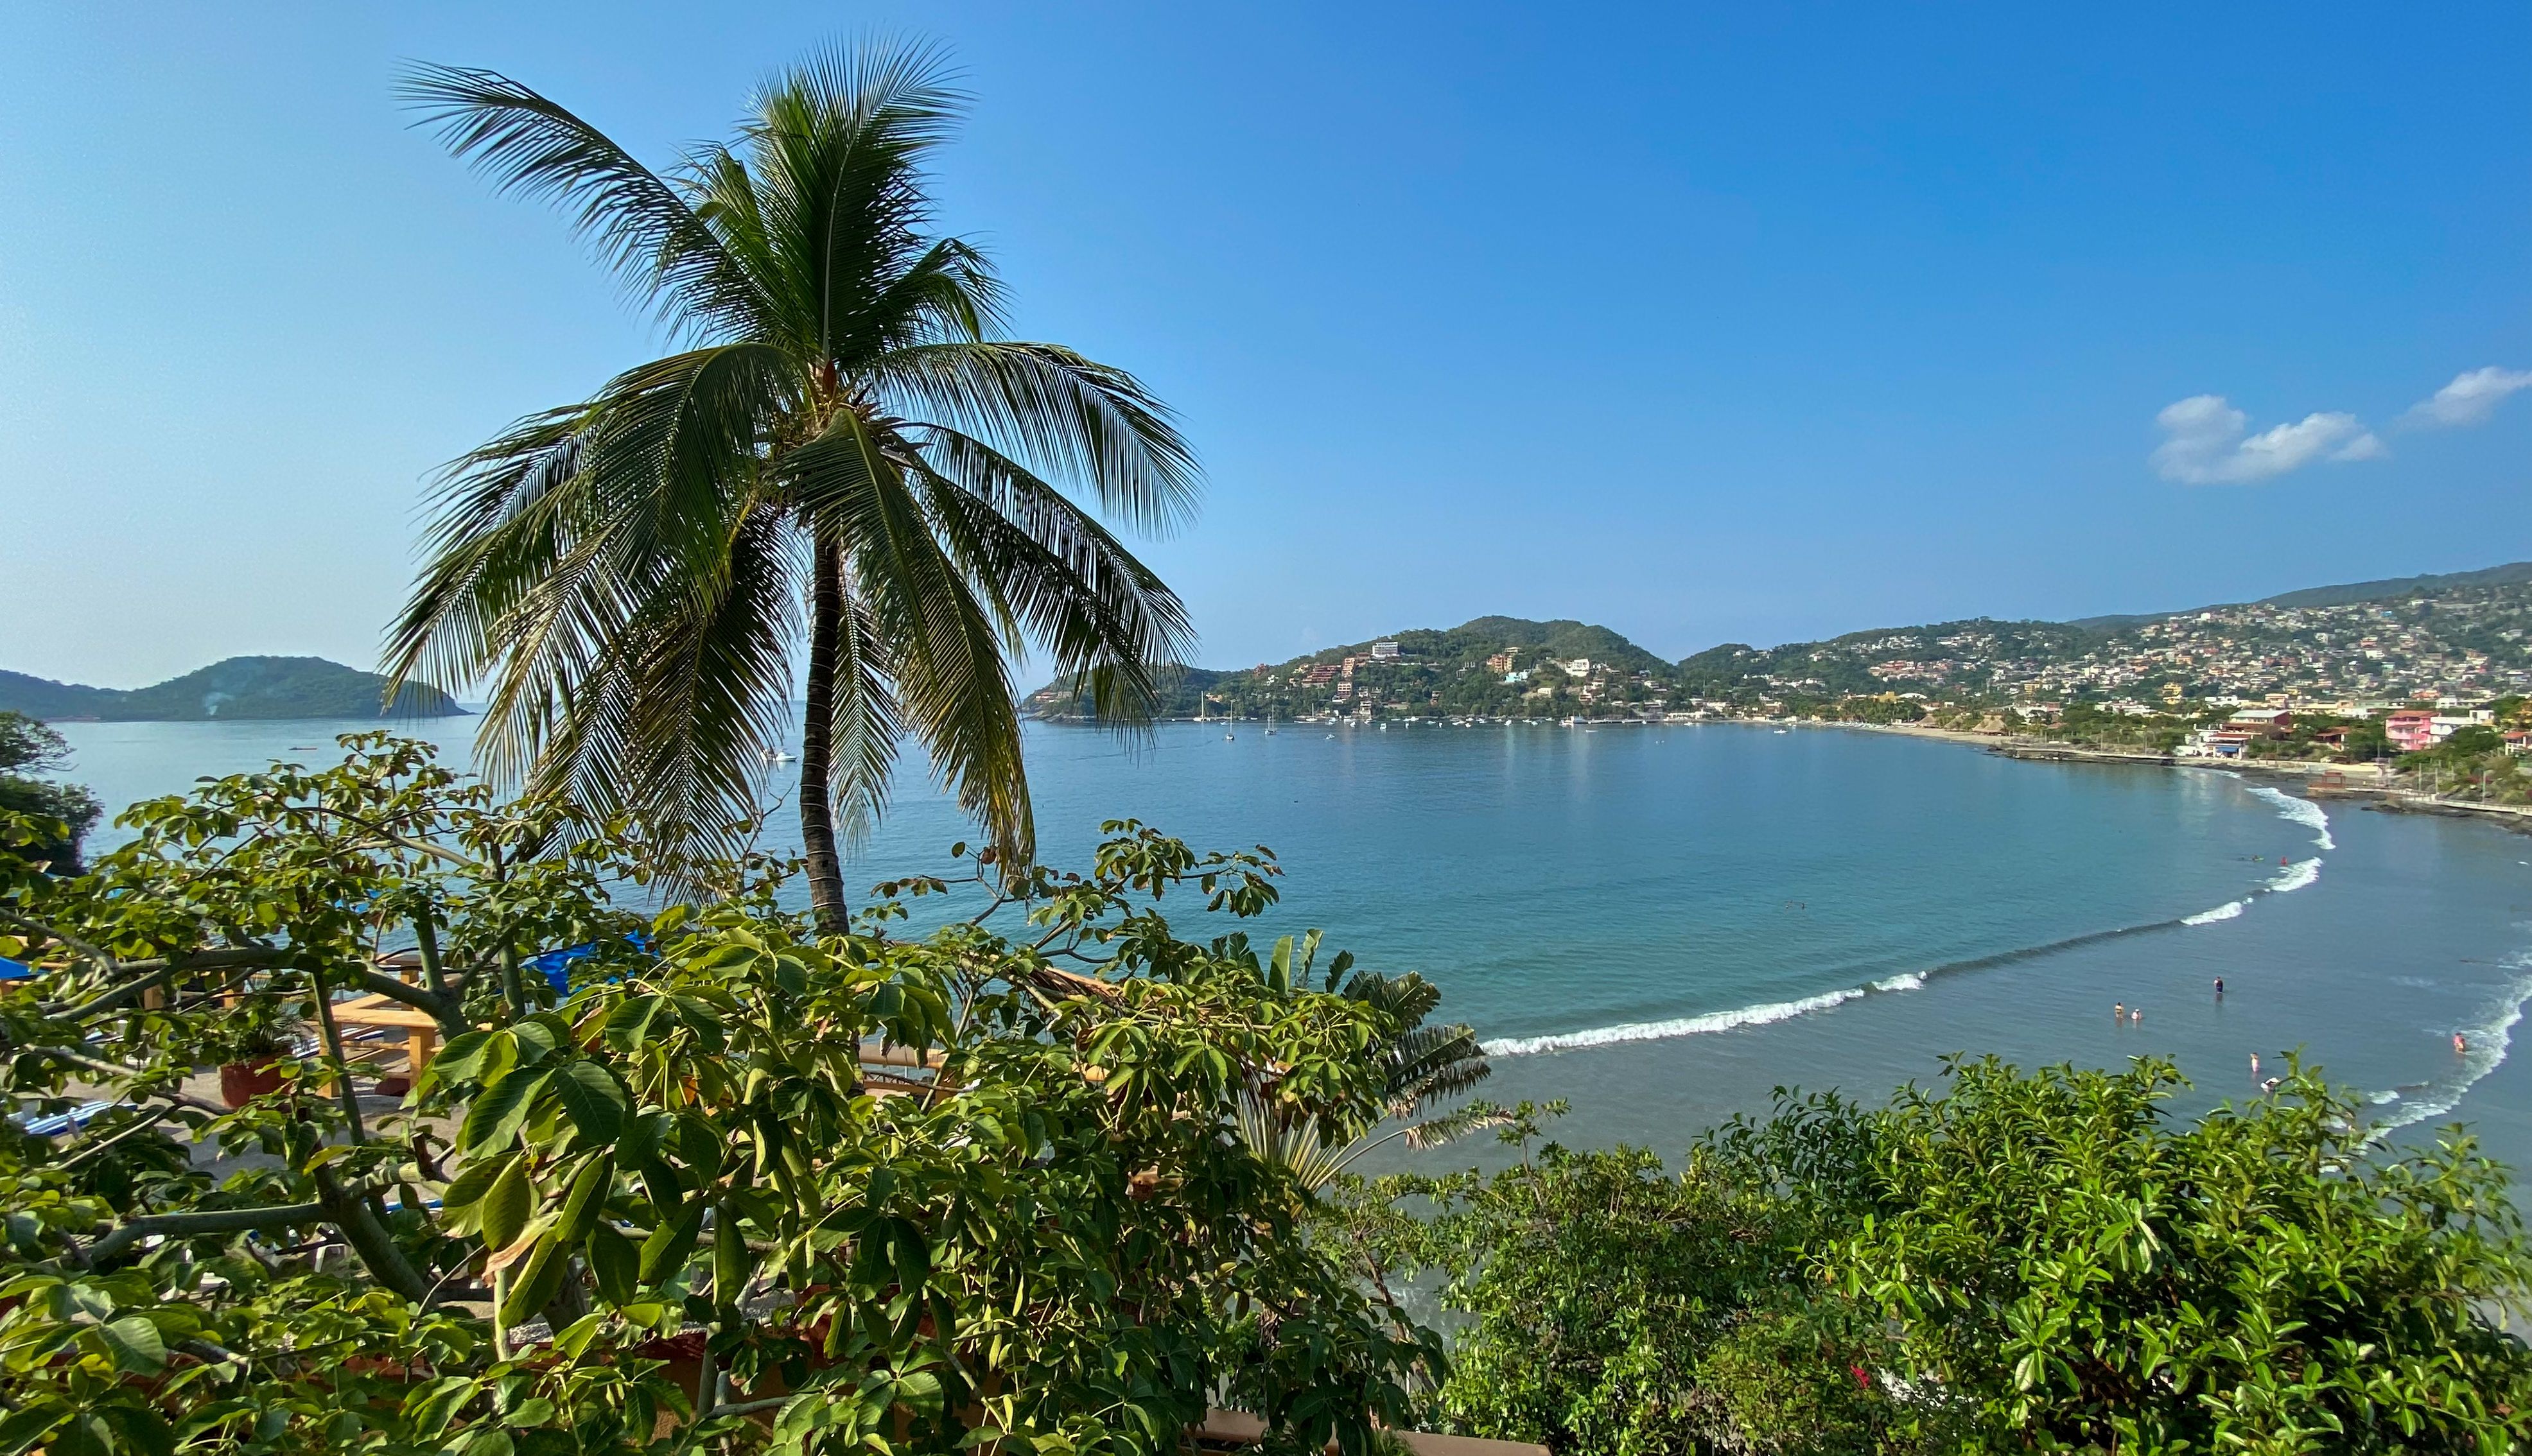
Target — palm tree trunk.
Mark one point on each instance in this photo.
(817, 745)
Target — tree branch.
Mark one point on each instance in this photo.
(443, 1008)
(369, 1238)
(86, 950)
(83, 1155)
(130, 1075)
(186, 1225)
(156, 972)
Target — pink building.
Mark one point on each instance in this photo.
(2411, 729)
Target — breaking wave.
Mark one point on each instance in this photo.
(2289, 879)
(2488, 1041)
(2300, 811)
(1663, 1030)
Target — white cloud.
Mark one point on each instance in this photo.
(2469, 399)
(2205, 443)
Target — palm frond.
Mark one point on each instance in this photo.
(1406, 999)
(670, 720)
(639, 224)
(1293, 1146)
(1060, 415)
(948, 651)
(1093, 605)
(835, 152)
(497, 526)
(865, 725)
(1430, 1063)
(1456, 1124)
(552, 554)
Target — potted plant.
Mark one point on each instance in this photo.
(251, 1042)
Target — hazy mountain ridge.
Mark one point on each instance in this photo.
(250, 688)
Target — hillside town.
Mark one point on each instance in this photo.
(2434, 672)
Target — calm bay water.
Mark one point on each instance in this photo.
(1662, 925)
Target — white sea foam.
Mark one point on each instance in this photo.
(2302, 812)
(2296, 875)
(1912, 980)
(1660, 1030)
(2381, 1098)
(2224, 911)
(2488, 1044)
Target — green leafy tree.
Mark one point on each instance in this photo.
(1616, 1308)
(28, 749)
(744, 1188)
(2266, 1281)
(2011, 1261)
(850, 439)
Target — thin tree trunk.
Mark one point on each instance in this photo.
(817, 745)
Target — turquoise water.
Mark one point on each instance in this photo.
(1664, 923)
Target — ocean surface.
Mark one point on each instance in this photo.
(1663, 924)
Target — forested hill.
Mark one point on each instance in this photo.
(263, 688)
(1493, 665)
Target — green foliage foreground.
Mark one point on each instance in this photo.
(688, 1206)
(710, 1199)
(2013, 1263)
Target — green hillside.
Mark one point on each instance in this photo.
(2462, 634)
(1442, 672)
(253, 688)
(1963, 656)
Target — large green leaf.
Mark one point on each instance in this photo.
(507, 1203)
(665, 1251)
(588, 1198)
(471, 1181)
(617, 1264)
(496, 1117)
(593, 1098)
(138, 1349)
(532, 1287)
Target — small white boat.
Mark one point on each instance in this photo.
(1270, 733)
(1228, 737)
(776, 755)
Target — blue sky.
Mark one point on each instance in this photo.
(1711, 324)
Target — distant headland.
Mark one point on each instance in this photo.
(253, 688)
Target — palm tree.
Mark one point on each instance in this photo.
(1419, 1066)
(846, 442)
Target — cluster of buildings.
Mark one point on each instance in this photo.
(2409, 730)
(2464, 645)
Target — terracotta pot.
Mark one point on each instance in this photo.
(242, 1083)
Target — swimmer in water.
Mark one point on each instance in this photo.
(2136, 1016)
(2458, 1043)
(2220, 986)
(2255, 1064)
(2118, 1011)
